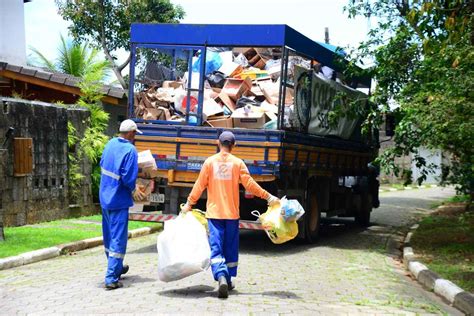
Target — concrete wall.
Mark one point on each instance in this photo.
(42, 195)
(117, 113)
(12, 32)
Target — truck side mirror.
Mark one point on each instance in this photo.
(390, 124)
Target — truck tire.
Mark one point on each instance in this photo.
(363, 212)
(312, 217)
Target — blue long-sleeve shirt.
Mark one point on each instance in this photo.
(119, 170)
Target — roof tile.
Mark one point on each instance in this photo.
(116, 92)
(43, 75)
(13, 68)
(59, 78)
(28, 71)
(71, 81)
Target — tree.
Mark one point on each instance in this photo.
(107, 23)
(424, 61)
(74, 59)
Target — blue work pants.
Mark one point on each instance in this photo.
(115, 234)
(224, 242)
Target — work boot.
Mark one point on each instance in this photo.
(231, 285)
(223, 290)
(113, 286)
(125, 269)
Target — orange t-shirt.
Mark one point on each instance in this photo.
(221, 174)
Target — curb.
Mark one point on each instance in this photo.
(457, 297)
(52, 252)
(424, 186)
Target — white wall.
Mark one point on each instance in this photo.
(12, 32)
(432, 157)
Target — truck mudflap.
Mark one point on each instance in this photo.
(159, 218)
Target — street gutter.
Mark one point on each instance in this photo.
(456, 296)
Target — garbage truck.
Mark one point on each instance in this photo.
(297, 118)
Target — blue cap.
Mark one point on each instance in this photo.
(228, 137)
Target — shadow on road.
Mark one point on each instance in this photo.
(341, 233)
(201, 291)
(148, 249)
(335, 233)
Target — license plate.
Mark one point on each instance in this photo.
(157, 198)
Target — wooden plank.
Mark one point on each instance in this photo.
(199, 141)
(22, 156)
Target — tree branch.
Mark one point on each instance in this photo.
(116, 70)
(122, 66)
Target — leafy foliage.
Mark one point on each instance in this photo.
(95, 139)
(107, 23)
(74, 59)
(75, 176)
(424, 61)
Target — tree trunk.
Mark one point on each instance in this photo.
(2, 236)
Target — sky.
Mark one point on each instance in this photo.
(309, 17)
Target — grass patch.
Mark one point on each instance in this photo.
(42, 235)
(458, 199)
(445, 243)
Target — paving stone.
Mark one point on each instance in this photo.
(347, 273)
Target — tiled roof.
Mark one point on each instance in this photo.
(63, 79)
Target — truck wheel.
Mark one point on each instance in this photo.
(312, 218)
(363, 213)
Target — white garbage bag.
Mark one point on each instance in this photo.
(183, 248)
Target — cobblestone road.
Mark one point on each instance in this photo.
(348, 272)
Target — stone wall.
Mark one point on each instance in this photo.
(43, 194)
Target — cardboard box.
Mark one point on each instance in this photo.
(146, 160)
(148, 173)
(172, 84)
(268, 107)
(146, 186)
(254, 119)
(223, 98)
(254, 58)
(235, 88)
(270, 91)
(224, 122)
(211, 109)
(231, 69)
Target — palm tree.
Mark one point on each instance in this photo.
(74, 59)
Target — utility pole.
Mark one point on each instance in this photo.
(326, 35)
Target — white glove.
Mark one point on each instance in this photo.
(272, 200)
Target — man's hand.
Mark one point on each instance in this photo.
(272, 200)
(186, 208)
(138, 195)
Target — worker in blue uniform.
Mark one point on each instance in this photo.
(119, 170)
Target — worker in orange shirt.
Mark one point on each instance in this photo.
(220, 175)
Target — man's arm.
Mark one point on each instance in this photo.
(253, 187)
(129, 170)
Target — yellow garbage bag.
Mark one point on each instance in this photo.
(200, 216)
(277, 229)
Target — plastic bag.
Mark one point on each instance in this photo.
(213, 62)
(200, 216)
(216, 79)
(241, 60)
(291, 210)
(277, 229)
(183, 248)
(244, 101)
